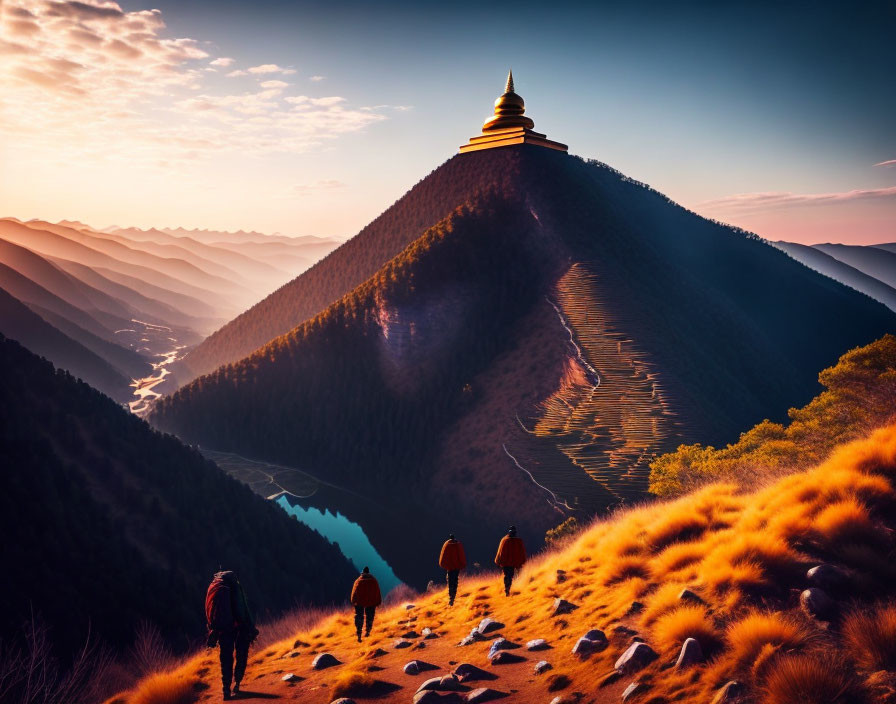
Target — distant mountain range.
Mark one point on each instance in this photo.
(106, 522)
(870, 269)
(127, 297)
(513, 341)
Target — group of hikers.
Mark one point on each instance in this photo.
(232, 629)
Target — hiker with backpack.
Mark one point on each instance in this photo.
(230, 626)
(365, 598)
(452, 559)
(511, 556)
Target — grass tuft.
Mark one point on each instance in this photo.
(673, 628)
(165, 688)
(870, 638)
(807, 680)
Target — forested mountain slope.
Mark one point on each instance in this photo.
(525, 359)
(106, 522)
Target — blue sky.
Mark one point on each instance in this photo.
(772, 116)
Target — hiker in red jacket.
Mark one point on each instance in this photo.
(365, 598)
(511, 556)
(230, 626)
(452, 559)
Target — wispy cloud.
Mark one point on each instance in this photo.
(271, 68)
(778, 199)
(891, 162)
(302, 189)
(78, 71)
(316, 79)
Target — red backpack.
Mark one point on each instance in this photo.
(218, 608)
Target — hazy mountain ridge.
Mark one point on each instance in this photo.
(118, 296)
(829, 265)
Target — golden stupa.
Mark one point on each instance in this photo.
(509, 126)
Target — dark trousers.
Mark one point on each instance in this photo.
(508, 578)
(229, 644)
(452, 584)
(362, 613)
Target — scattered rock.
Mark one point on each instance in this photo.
(827, 577)
(624, 630)
(378, 653)
(537, 644)
(636, 639)
(466, 672)
(561, 576)
(445, 683)
(420, 646)
(410, 606)
(688, 595)
(634, 689)
(501, 644)
(429, 634)
(691, 654)
(592, 642)
(294, 654)
(323, 661)
(562, 606)
(469, 640)
(432, 697)
(401, 643)
(542, 666)
(291, 678)
(504, 657)
(816, 602)
(484, 694)
(415, 667)
(637, 656)
(609, 679)
(343, 700)
(635, 608)
(488, 625)
(729, 694)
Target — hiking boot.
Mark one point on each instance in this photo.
(236, 688)
(367, 635)
(359, 637)
(226, 694)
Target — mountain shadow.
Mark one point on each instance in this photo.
(107, 522)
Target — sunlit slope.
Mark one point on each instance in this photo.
(529, 355)
(744, 559)
(107, 523)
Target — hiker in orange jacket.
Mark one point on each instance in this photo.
(452, 559)
(511, 556)
(365, 598)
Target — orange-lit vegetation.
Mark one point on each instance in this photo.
(743, 558)
(859, 395)
(176, 687)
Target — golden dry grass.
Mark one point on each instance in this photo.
(673, 628)
(870, 637)
(745, 555)
(165, 688)
(807, 680)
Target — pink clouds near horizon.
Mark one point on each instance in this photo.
(858, 216)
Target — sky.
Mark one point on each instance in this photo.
(312, 118)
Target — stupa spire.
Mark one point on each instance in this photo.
(509, 125)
